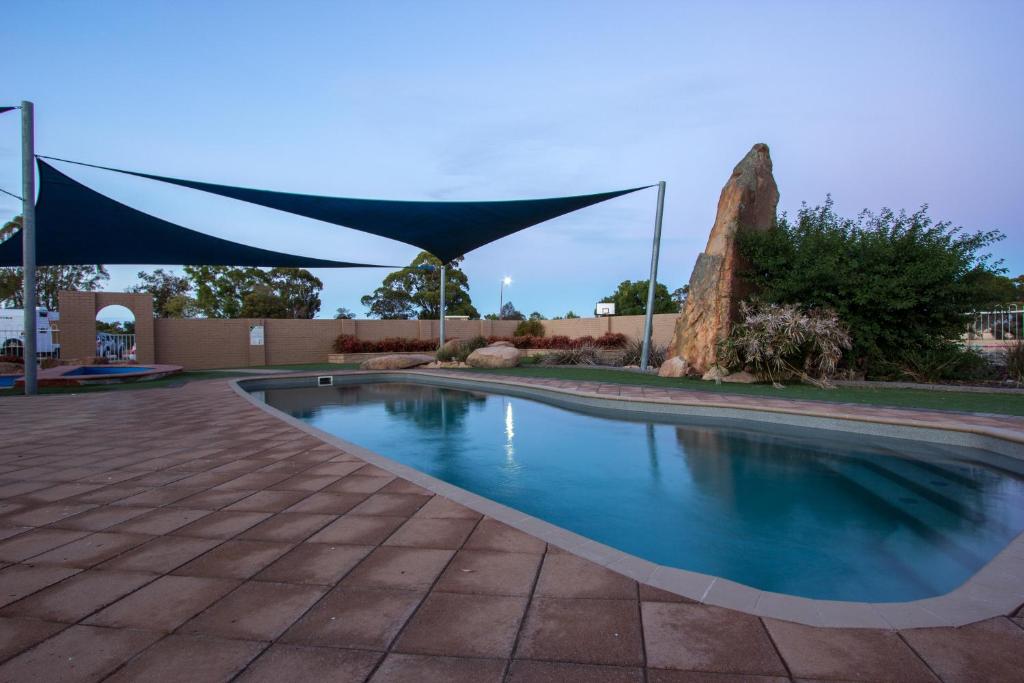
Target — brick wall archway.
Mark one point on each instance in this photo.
(78, 322)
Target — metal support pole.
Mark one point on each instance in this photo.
(655, 248)
(501, 298)
(444, 304)
(28, 240)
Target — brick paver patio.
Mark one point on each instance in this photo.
(183, 534)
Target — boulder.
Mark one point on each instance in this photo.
(742, 377)
(396, 362)
(494, 357)
(715, 374)
(452, 345)
(747, 203)
(673, 367)
(11, 369)
(502, 343)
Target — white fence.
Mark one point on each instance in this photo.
(12, 343)
(996, 327)
(115, 346)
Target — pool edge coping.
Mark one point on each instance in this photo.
(995, 590)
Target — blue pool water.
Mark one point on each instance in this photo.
(94, 370)
(6, 382)
(806, 512)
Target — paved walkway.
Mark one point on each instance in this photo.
(182, 534)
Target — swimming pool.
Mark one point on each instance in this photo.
(812, 513)
(99, 370)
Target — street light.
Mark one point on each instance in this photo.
(501, 299)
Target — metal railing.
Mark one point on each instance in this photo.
(12, 343)
(115, 346)
(1002, 325)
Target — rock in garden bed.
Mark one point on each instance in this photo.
(396, 362)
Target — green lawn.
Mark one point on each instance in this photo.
(1004, 403)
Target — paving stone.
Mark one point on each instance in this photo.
(111, 494)
(297, 664)
(399, 568)
(212, 500)
(257, 610)
(46, 514)
(19, 580)
(222, 524)
(79, 653)
(491, 534)
(523, 671)
(315, 564)
(100, 518)
(491, 573)
(78, 596)
(305, 482)
(356, 530)
(392, 504)
(652, 594)
(458, 625)
(161, 555)
(355, 483)
(235, 559)
(339, 469)
(582, 630)
(848, 654)
(399, 668)
(267, 501)
(189, 658)
(705, 638)
(17, 635)
(160, 521)
(158, 497)
(37, 542)
(432, 533)
(671, 676)
(440, 507)
(91, 550)
(165, 604)
(568, 576)
(287, 527)
(991, 650)
(355, 618)
(399, 485)
(325, 503)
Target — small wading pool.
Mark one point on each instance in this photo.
(808, 512)
(103, 370)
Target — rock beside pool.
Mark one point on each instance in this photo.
(715, 374)
(494, 357)
(11, 369)
(396, 362)
(673, 367)
(743, 377)
(747, 204)
(502, 343)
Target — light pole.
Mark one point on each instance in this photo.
(653, 281)
(501, 298)
(28, 242)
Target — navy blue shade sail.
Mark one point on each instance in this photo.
(4, 110)
(76, 225)
(447, 230)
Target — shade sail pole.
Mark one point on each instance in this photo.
(28, 244)
(444, 305)
(653, 282)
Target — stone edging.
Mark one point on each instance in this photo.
(995, 590)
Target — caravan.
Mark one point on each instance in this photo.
(12, 332)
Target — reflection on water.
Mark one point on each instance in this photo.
(806, 512)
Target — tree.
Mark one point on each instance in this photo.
(416, 293)
(536, 315)
(631, 298)
(509, 312)
(491, 316)
(679, 296)
(344, 314)
(901, 282)
(50, 280)
(170, 293)
(225, 292)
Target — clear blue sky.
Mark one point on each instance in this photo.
(879, 103)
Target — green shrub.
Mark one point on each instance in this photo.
(529, 328)
(951, 361)
(469, 346)
(633, 351)
(782, 341)
(900, 283)
(585, 354)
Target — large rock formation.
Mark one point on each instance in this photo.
(497, 355)
(748, 202)
(398, 361)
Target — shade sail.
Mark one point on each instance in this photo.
(445, 229)
(6, 109)
(76, 225)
